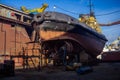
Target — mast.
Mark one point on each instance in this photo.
(90, 6)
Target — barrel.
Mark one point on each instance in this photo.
(9, 67)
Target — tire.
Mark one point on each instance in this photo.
(38, 17)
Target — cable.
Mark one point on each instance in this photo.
(66, 10)
(79, 13)
(108, 13)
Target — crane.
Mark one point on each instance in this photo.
(110, 24)
(38, 10)
(91, 21)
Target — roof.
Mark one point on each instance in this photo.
(11, 8)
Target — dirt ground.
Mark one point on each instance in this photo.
(103, 71)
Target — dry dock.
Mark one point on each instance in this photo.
(15, 44)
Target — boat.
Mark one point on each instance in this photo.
(62, 34)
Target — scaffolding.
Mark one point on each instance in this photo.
(30, 56)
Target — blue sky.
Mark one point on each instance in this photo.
(78, 7)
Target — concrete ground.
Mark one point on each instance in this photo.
(103, 71)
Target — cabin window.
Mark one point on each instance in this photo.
(18, 17)
(26, 19)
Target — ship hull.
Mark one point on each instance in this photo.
(57, 30)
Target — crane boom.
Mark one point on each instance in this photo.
(110, 24)
(38, 10)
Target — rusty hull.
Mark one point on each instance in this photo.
(55, 27)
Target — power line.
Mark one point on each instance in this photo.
(66, 10)
(117, 11)
(79, 13)
(109, 13)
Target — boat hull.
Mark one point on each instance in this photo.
(54, 27)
